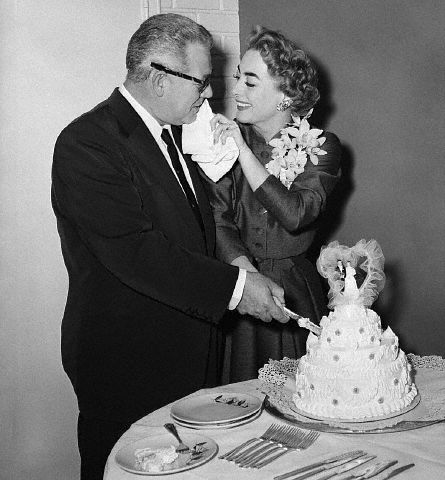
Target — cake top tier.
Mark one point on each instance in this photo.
(355, 274)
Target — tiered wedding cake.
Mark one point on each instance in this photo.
(352, 369)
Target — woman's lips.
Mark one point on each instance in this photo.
(242, 105)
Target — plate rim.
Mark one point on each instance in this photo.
(210, 422)
(218, 426)
(135, 444)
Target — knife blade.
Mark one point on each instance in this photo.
(396, 471)
(348, 456)
(302, 321)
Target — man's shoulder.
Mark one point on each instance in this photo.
(98, 118)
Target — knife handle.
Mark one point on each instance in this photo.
(378, 467)
(396, 471)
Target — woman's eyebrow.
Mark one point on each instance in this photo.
(251, 74)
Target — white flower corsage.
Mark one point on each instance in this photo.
(289, 156)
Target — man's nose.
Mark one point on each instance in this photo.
(207, 92)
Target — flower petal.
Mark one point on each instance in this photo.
(292, 131)
(304, 127)
(315, 132)
(276, 142)
(314, 158)
(296, 120)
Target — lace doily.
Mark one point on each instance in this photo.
(430, 361)
(278, 377)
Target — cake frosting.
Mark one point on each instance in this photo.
(353, 369)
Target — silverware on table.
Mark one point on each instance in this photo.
(326, 464)
(279, 441)
(396, 471)
(182, 447)
(370, 470)
(291, 445)
(344, 468)
(267, 435)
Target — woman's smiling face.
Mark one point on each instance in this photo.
(256, 92)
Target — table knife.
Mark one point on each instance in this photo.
(348, 466)
(371, 471)
(396, 471)
(329, 463)
(345, 467)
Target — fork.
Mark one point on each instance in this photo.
(292, 443)
(182, 447)
(267, 435)
(264, 444)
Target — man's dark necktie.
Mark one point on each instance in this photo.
(173, 153)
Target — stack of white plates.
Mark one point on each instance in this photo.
(216, 410)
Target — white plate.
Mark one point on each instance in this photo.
(126, 459)
(216, 408)
(216, 426)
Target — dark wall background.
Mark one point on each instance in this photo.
(382, 81)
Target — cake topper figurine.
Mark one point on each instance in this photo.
(341, 268)
(350, 289)
(340, 265)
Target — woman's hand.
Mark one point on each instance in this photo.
(223, 128)
(243, 262)
(252, 168)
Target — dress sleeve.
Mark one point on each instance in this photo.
(222, 196)
(306, 198)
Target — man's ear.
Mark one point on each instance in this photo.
(158, 82)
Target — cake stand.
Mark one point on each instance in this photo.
(425, 409)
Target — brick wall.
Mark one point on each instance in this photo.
(220, 17)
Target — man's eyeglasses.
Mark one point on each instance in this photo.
(203, 84)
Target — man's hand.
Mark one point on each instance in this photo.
(258, 299)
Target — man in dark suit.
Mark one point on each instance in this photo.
(140, 328)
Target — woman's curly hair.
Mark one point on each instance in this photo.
(289, 65)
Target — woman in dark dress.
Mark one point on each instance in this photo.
(267, 206)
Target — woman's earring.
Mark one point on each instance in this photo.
(284, 105)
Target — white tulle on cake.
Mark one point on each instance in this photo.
(366, 256)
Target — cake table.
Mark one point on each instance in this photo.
(423, 446)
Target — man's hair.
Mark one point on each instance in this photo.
(163, 36)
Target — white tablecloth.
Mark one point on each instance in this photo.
(424, 446)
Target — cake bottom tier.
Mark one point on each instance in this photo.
(354, 393)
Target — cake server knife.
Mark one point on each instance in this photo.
(302, 321)
(325, 464)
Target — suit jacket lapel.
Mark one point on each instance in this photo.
(150, 159)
